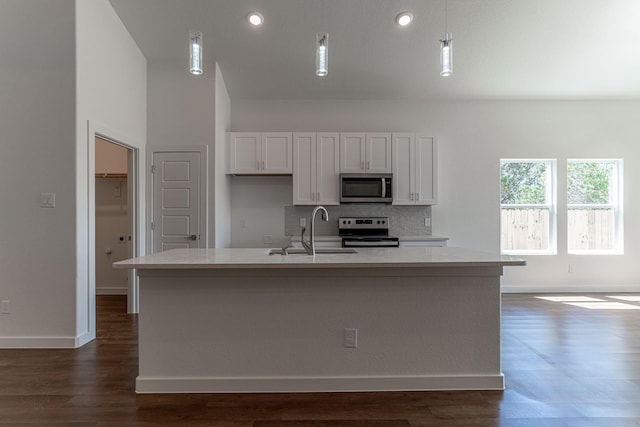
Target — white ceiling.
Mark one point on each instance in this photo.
(503, 49)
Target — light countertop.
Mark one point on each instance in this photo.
(257, 258)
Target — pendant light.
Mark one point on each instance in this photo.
(446, 49)
(195, 52)
(322, 54)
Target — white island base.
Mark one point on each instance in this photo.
(213, 325)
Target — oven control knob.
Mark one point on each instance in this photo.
(378, 221)
(383, 221)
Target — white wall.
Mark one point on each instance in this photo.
(472, 137)
(37, 116)
(110, 158)
(257, 210)
(193, 111)
(222, 182)
(111, 98)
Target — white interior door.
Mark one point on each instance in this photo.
(176, 200)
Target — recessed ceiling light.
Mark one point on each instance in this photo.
(255, 18)
(404, 18)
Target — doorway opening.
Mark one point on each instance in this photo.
(115, 218)
(113, 233)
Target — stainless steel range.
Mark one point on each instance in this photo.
(372, 232)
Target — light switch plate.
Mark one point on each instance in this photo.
(427, 222)
(47, 200)
(351, 337)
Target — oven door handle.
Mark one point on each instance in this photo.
(371, 244)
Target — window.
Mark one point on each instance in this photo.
(594, 206)
(527, 206)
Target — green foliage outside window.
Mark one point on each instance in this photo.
(589, 182)
(523, 182)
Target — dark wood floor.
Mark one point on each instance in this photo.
(564, 366)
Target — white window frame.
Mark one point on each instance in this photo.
(617, 205)
(551, 206)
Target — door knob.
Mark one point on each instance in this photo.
(192, 237)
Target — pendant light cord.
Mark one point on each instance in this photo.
(446, 16)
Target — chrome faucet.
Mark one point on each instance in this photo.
(311, 247)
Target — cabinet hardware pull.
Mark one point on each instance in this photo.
(368, 165)
(362, 165)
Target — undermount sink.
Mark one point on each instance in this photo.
(302, 251)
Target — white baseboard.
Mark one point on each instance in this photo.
(566, 288)
(45, 342)
(316, 384)
(111, 290)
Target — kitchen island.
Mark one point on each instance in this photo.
(239, 320)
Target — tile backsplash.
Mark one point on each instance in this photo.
(403, 220)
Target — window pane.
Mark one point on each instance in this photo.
(591, 228)
(524, 182)
(590, 182)
(525, 229)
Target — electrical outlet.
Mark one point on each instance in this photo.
(427, 222)
(351, 337)
(5, 306)
(572, 268)
(47, 200)
(303, 222)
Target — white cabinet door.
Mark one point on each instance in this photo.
(245, 152)
(352, 152)
(304, 168)
(426, 188)
(365, 153)
(414, 169)
(327, 168)
(277, 154)
(255, 153)
(316, 168)
(378, 153)
(403, 169)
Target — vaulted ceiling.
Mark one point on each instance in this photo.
(503, 49)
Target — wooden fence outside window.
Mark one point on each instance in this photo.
(528, 229)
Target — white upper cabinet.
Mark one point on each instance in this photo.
(316, 168)
(403, 168)
(414, 169)
(378, 153)
(260, 153)
(365, 152)
(352, 152)
(277, 157)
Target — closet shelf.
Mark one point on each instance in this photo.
(111, 175)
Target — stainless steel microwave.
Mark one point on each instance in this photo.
(370, 188)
